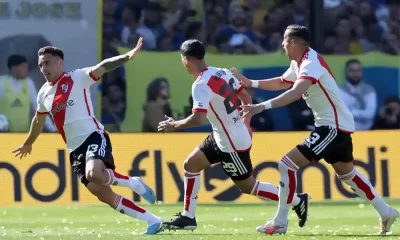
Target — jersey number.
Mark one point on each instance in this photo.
(229, 167)
(93, 148)
(231, 93)
(313, 138)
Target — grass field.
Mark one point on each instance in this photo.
(345, 220)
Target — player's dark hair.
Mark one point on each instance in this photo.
(54, 51)
(15, 60)
(298, 31)
(351, 61)
(193, 48)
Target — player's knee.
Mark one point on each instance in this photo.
(287, 164)
(94, 176)
(282, 166)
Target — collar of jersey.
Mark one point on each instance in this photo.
(58, 79)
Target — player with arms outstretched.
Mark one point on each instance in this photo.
(216, 96)
(65, 96)
(311, 78)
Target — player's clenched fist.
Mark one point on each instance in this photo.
(167, 125)
(22, 151)
(244, 81)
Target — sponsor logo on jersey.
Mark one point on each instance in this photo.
(61, 107)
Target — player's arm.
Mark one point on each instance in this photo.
(36, 128)
(109, 64)
(272, 84)
(201, 97)
(293, 94)
(34, 132)
(309, 74)
(244, 96)
(194, 120)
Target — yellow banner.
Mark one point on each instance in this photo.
(45, 176)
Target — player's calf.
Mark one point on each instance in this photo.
(269, 192)
(126, 206)
(97, 172)
(362, 187)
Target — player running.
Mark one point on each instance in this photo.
(65, 96)
(216, 93)
(311, 78)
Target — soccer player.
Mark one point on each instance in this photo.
(310, 77)
(216, 93)
(65, 96)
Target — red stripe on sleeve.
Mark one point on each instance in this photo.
(314, 80)
(199, 110)
(93, 77)
(41, 113)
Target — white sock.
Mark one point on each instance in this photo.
(192, 187)
(366, 191)
(128, 207)
(267, 191)
(117, 179)
(287, 189)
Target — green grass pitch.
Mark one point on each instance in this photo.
(327, 220)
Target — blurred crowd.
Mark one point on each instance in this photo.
(247, 27)
(251, 26)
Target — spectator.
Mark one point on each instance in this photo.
(132, 29)
(18, 96)
(359, 96)
(343, 36)
(389, 114)
(113, 106)
(238, 24)
(390, 44)
(157, 105)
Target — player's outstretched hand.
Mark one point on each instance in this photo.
(251, 110)
(134, 51)
(22, 151)
(244, 81)
(167, 125)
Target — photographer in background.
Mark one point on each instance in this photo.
(389, 114)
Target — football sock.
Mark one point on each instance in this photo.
(128, 207)
(192, 187)
(117, 179)
(287, 189)
(364, 189)
(267, 191)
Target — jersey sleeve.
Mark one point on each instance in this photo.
(84, 76)
(311, 71)
(201, 95)
(290, 75)
(40, 108)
